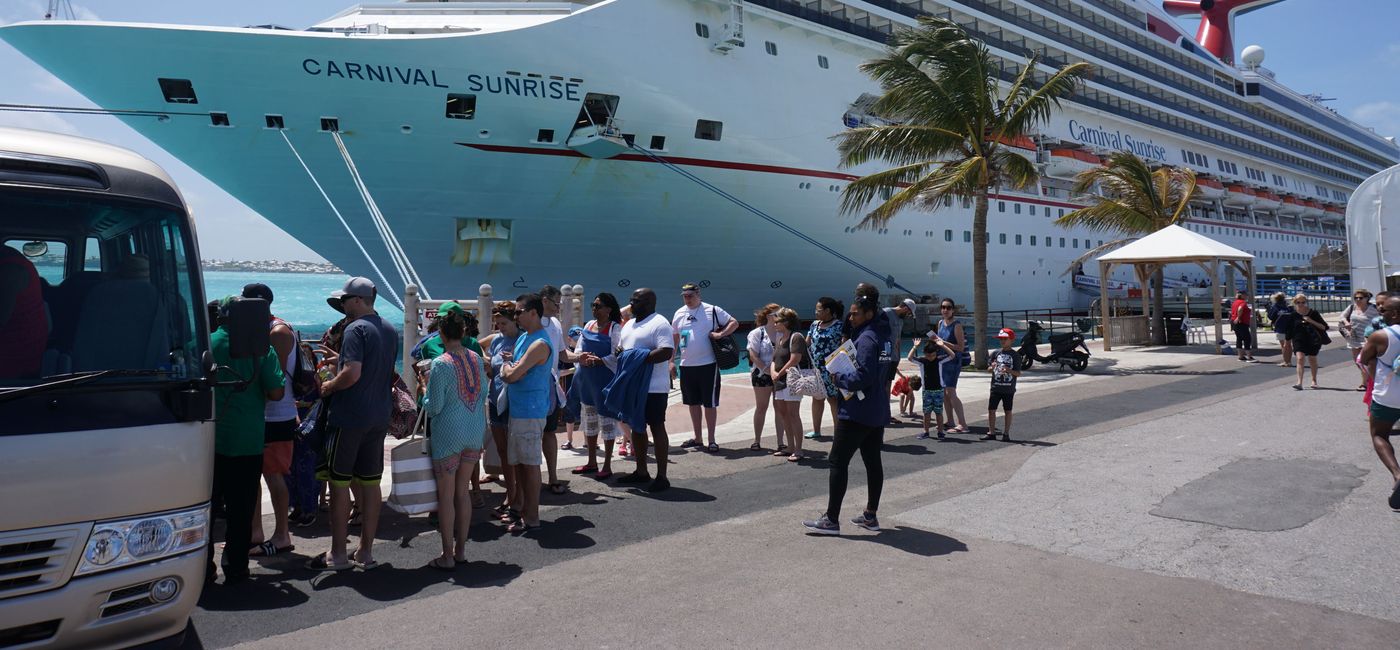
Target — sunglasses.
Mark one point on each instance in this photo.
(945, 306)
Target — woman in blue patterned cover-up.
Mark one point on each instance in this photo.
(456, 401)
(823, 338)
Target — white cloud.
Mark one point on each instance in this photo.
(1382, 116)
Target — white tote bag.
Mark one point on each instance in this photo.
(414, 490)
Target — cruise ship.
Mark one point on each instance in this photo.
(625, 143)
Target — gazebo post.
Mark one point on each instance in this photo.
(1104, 269)
(1215, 300)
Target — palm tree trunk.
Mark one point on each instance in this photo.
(979, 280)
(1159, 320)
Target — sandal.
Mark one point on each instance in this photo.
(782, 451)
(558, 488)
(586, 469)
(320, 563)
(794, 458)
(501, 509)
(268, 549)
(755, 447)
(364, 566)
(567, 445)
(713, 447)
(520, 527)
(603, 475)
(511, 515)
(440, 564)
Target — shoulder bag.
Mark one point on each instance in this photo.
(805, 381)
(726, 352)
(414, 489)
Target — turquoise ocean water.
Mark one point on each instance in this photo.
(298, 298)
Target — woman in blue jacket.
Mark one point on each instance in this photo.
(860, 419)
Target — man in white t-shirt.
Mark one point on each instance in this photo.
(553, 298)
(650, 331)
(698, 325)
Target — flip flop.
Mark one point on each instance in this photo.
(320, 563)
(520, 528)
(603, 475)
(268, 549)
(557, 488)
(364, 566)
(437, 563)
(586, 469)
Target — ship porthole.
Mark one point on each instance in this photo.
(406, 129)
(485, 133)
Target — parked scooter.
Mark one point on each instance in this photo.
(1066, 349)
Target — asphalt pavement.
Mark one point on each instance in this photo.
(1050, 540)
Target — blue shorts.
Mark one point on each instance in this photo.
(933, 401)
(948, 372)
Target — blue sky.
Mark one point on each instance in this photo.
(1346, 49)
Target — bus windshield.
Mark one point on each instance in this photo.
(93, 283)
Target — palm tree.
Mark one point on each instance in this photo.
(1133, 199)
(948, 115)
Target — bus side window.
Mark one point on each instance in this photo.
(92, 254)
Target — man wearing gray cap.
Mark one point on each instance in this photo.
(359, 409)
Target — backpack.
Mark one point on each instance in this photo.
(304, 383)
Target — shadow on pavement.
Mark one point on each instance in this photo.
(562, 533)
(912, 540)
(674, 495)
(260, 592)
(388, 583)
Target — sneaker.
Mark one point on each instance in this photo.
(635, 477)
(304, 520)
(925, 436)
(811, 435)
(823, 526)
(991, 435)
(940, 434)
(867, 521)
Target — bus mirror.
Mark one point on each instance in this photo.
(246, 321)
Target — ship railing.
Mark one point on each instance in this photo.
(418, 313)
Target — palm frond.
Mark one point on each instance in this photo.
(861, 192)
(897, 144)
(1014, 170)
(1037, 106)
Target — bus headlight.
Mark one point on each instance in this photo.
(124, 542)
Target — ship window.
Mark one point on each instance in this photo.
(1062, 242)
(545, 135)
(822, 62)
(1076, 243)
(219, 119)
(461, 107)
(1001, 238)
(330, 124)
(658, 142)
(967, 235)
(708, 130)
(770, 47)
(1001, 206)
(1062, 212)
(702, 30)
(274, 122)
(947, 235)
(597, 110)
(178, 91)
(1018, 240)
(629, 138)
(1032, 240)
(1018, 208)
(1251, 88)
(1032, 209)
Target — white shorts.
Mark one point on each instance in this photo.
(524, 441)
(785, 394)
(1281, 337)
(594, 424)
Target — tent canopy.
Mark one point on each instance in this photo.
(1175, 245)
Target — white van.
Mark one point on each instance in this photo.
(106, 410)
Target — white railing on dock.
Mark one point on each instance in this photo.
(418, 312)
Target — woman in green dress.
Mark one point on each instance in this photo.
(456, 402)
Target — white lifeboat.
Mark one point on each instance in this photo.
(1266, 200)
(1022, 146)
(597, 141)
(1312, 209)
(1238, 195)
(1209, 188)
(1292, 206)
(1068, 163)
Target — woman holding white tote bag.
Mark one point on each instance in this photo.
(456, 401)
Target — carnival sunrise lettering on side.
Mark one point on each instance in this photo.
(412, 76)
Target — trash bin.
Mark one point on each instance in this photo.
(1176, 333)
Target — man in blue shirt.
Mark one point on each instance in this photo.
(530, 395)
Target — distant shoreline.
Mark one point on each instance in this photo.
(272, 266)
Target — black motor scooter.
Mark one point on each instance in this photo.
(1066, 349)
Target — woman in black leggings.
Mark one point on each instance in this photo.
(860, 421)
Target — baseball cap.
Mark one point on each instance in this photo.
(258, 290)
(690, 286)
(909, 303)
(1006, 333)
(356, 286)
(450, 307)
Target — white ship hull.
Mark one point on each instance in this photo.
(544, 213)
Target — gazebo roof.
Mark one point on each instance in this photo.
(1174, 244)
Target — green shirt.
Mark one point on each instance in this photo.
(432, 347)
(238, 412)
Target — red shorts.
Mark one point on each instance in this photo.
(277, 458)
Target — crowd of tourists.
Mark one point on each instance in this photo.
(311, 423)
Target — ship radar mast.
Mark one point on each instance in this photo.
(1216, 32)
